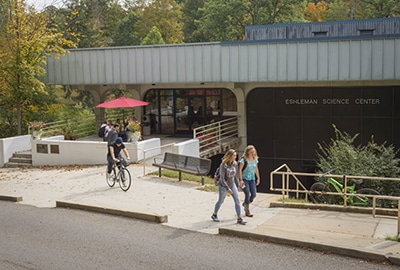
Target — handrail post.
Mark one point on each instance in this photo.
(398, 218)
(345, 190)
(144, 162)
(373, 206)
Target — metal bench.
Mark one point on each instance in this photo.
(186, 164)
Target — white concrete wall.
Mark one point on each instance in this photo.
(84, 152)
(8, 146)
(187, 148)
(136, 151)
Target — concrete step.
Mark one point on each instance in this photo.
(16, 165)
(27, 155)
(20, 159)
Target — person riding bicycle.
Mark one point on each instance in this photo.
(114, 154)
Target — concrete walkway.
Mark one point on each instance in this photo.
(183, 205)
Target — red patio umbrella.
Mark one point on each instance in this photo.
(122, 102)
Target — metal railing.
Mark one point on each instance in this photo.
(216, 137)
(291, 184)
(288, 176)
(70, 128)
(75, 128)
(160, 156)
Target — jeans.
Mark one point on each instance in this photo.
(249, 191)
(110, 162)
(222, 191)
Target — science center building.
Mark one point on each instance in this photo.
(287, 84)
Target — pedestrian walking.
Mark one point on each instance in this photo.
(228, 184)
(250, 175)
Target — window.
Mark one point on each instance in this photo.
(320, 34)
(367, 32)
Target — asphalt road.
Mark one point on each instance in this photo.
(52, 238)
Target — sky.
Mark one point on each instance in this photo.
(40, 4)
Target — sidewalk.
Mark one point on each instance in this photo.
(182, 205)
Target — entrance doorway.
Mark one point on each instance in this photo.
(179, 111)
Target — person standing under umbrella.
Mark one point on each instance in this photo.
(112, 134)
(128, 120)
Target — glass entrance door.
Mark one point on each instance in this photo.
(189, 113)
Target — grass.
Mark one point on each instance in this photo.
(293, 200)
(393, 238)
(208, 181)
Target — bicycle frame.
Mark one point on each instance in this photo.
(119, 175)
(339, 188)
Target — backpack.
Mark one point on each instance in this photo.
(244, 165)
(217, 176)
(101, 132)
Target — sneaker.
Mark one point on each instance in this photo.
(215, 218)
(241, 221)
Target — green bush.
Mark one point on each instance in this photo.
(363, 160)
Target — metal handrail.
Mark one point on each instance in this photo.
(152, 149)
(213, 134)
(79, 127)
(285, 175)
(286, 181)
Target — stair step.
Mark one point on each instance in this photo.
(16, 165)
(21, 160)
(23, 155)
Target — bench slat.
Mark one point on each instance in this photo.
(188, 164)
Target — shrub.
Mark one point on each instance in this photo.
(364, 160)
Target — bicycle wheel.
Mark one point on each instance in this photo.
(124, 179)
(367, 201)
(110, 178)
(317, 193)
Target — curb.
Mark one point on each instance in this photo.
(115, 212)
(344, 251)
(11, 198)
(336, 208)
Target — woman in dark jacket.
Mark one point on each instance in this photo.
(228, 184)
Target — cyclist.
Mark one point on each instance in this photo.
(114, 154)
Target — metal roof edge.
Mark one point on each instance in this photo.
(145, 46)
(321, 23)
(310, 40)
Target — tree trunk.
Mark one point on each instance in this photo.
(19, 132)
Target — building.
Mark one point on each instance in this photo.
(286, 92)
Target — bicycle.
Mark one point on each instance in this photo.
(119, 174)
(321, 192)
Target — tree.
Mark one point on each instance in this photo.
(90, 23)
(153, 37)
(379, 8)
(338, 10)
(316, 12)
(362, 9)
(126, 34)
(26, 39)
(166, 15)
(226, 19)
(191, 14)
